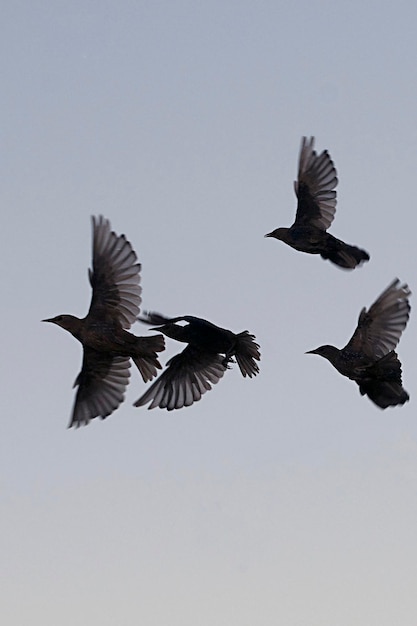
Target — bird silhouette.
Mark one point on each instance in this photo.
(369, 358)
(201, 364)
(107, 346)
(315, 191)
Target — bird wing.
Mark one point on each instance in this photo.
(101, 385)
(187, 377)
(315, 187)
(115, 277)
(383, 384)
(157, 319)
(379, 329)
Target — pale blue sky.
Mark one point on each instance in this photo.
(287, 499)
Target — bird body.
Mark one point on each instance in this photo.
(107, 345)
(315, 190)
(198, 332)
(108, 336)
(369, 357)
(313, 240)
(349, 364)
(201, 364)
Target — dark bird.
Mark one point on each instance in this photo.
(369, 358)
(107, 346)
(315, 191)
(202, 363)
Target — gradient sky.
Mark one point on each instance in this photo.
(286, 499)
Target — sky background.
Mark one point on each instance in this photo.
(286, 499)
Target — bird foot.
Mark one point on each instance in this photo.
(226, 361)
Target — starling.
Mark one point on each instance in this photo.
(315, 190)
(202, 363)
(369, 358)
(107, 346)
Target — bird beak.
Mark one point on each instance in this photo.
(311, 352)
(48, 320)
(268, 235)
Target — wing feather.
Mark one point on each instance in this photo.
(187, 377)
(379, 329)
(315, 187)
(115, 277)
(101, 386)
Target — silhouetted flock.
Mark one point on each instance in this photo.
(369, 358)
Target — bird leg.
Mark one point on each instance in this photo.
(228, 359)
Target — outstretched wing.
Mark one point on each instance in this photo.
(187, 377)
(379, 329)
(115, 277)
(157, 319)
(101, 385)
(315, 187)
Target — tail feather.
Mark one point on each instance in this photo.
(247, 353)
(343, 254)
(146, 358)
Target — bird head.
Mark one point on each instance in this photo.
(174, 331)
(278, 233)
(327, 352)
(68, 322)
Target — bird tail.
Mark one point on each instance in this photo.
(247, 353)
(145, 356)
(343, 254)
(384, 386)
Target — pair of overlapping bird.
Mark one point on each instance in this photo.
(369, 358)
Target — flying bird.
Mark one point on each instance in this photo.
(315, 191)
(107, 345)
(201, 364)
(369, 358)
